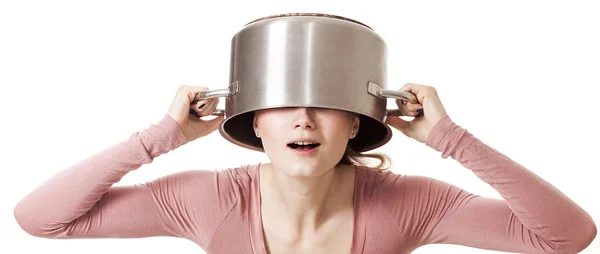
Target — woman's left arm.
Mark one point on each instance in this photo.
(536, 209)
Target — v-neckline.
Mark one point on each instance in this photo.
(260, 244)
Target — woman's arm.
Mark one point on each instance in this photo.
(79, 201)
(534, 217)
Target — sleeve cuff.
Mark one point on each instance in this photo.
(162, 137)
(444, 136)
(174, 130)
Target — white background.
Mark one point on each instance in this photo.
(79, 76)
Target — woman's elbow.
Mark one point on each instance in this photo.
(581, 241)
(24, 221)
(587, 236)
(30, 222)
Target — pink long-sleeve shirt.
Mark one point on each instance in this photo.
(220, 209)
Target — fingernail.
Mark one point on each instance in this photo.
(193, 112)
(201, 106)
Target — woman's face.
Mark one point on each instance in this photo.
(327, 132)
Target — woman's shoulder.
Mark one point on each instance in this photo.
(388, 184)
(388, 177)
(222, 185)
(375, 177)
(243, 173)
(234, 175)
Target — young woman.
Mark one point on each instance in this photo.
(313, 196)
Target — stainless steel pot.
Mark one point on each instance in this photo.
(307, 60)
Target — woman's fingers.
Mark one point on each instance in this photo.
(412, 106)
(205, 107)
(210, 107)
(413, 109)
(408, 108)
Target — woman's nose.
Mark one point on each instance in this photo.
(304, 118)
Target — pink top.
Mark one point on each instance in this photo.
(220, 210)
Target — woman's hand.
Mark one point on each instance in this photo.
(429, 102)
(185, 102)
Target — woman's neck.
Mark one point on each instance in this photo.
(304, 204)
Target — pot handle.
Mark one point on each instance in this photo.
(225, 92)
(377, 91)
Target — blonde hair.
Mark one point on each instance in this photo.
(352, 157)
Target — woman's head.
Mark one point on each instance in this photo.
(331, 129)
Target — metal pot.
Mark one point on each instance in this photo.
(307, 60)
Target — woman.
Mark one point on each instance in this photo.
(310, 198)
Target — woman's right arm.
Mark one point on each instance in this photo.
(79, 201)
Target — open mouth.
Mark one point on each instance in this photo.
(303, 145)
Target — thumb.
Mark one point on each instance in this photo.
(214, 123)
(399, 124)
